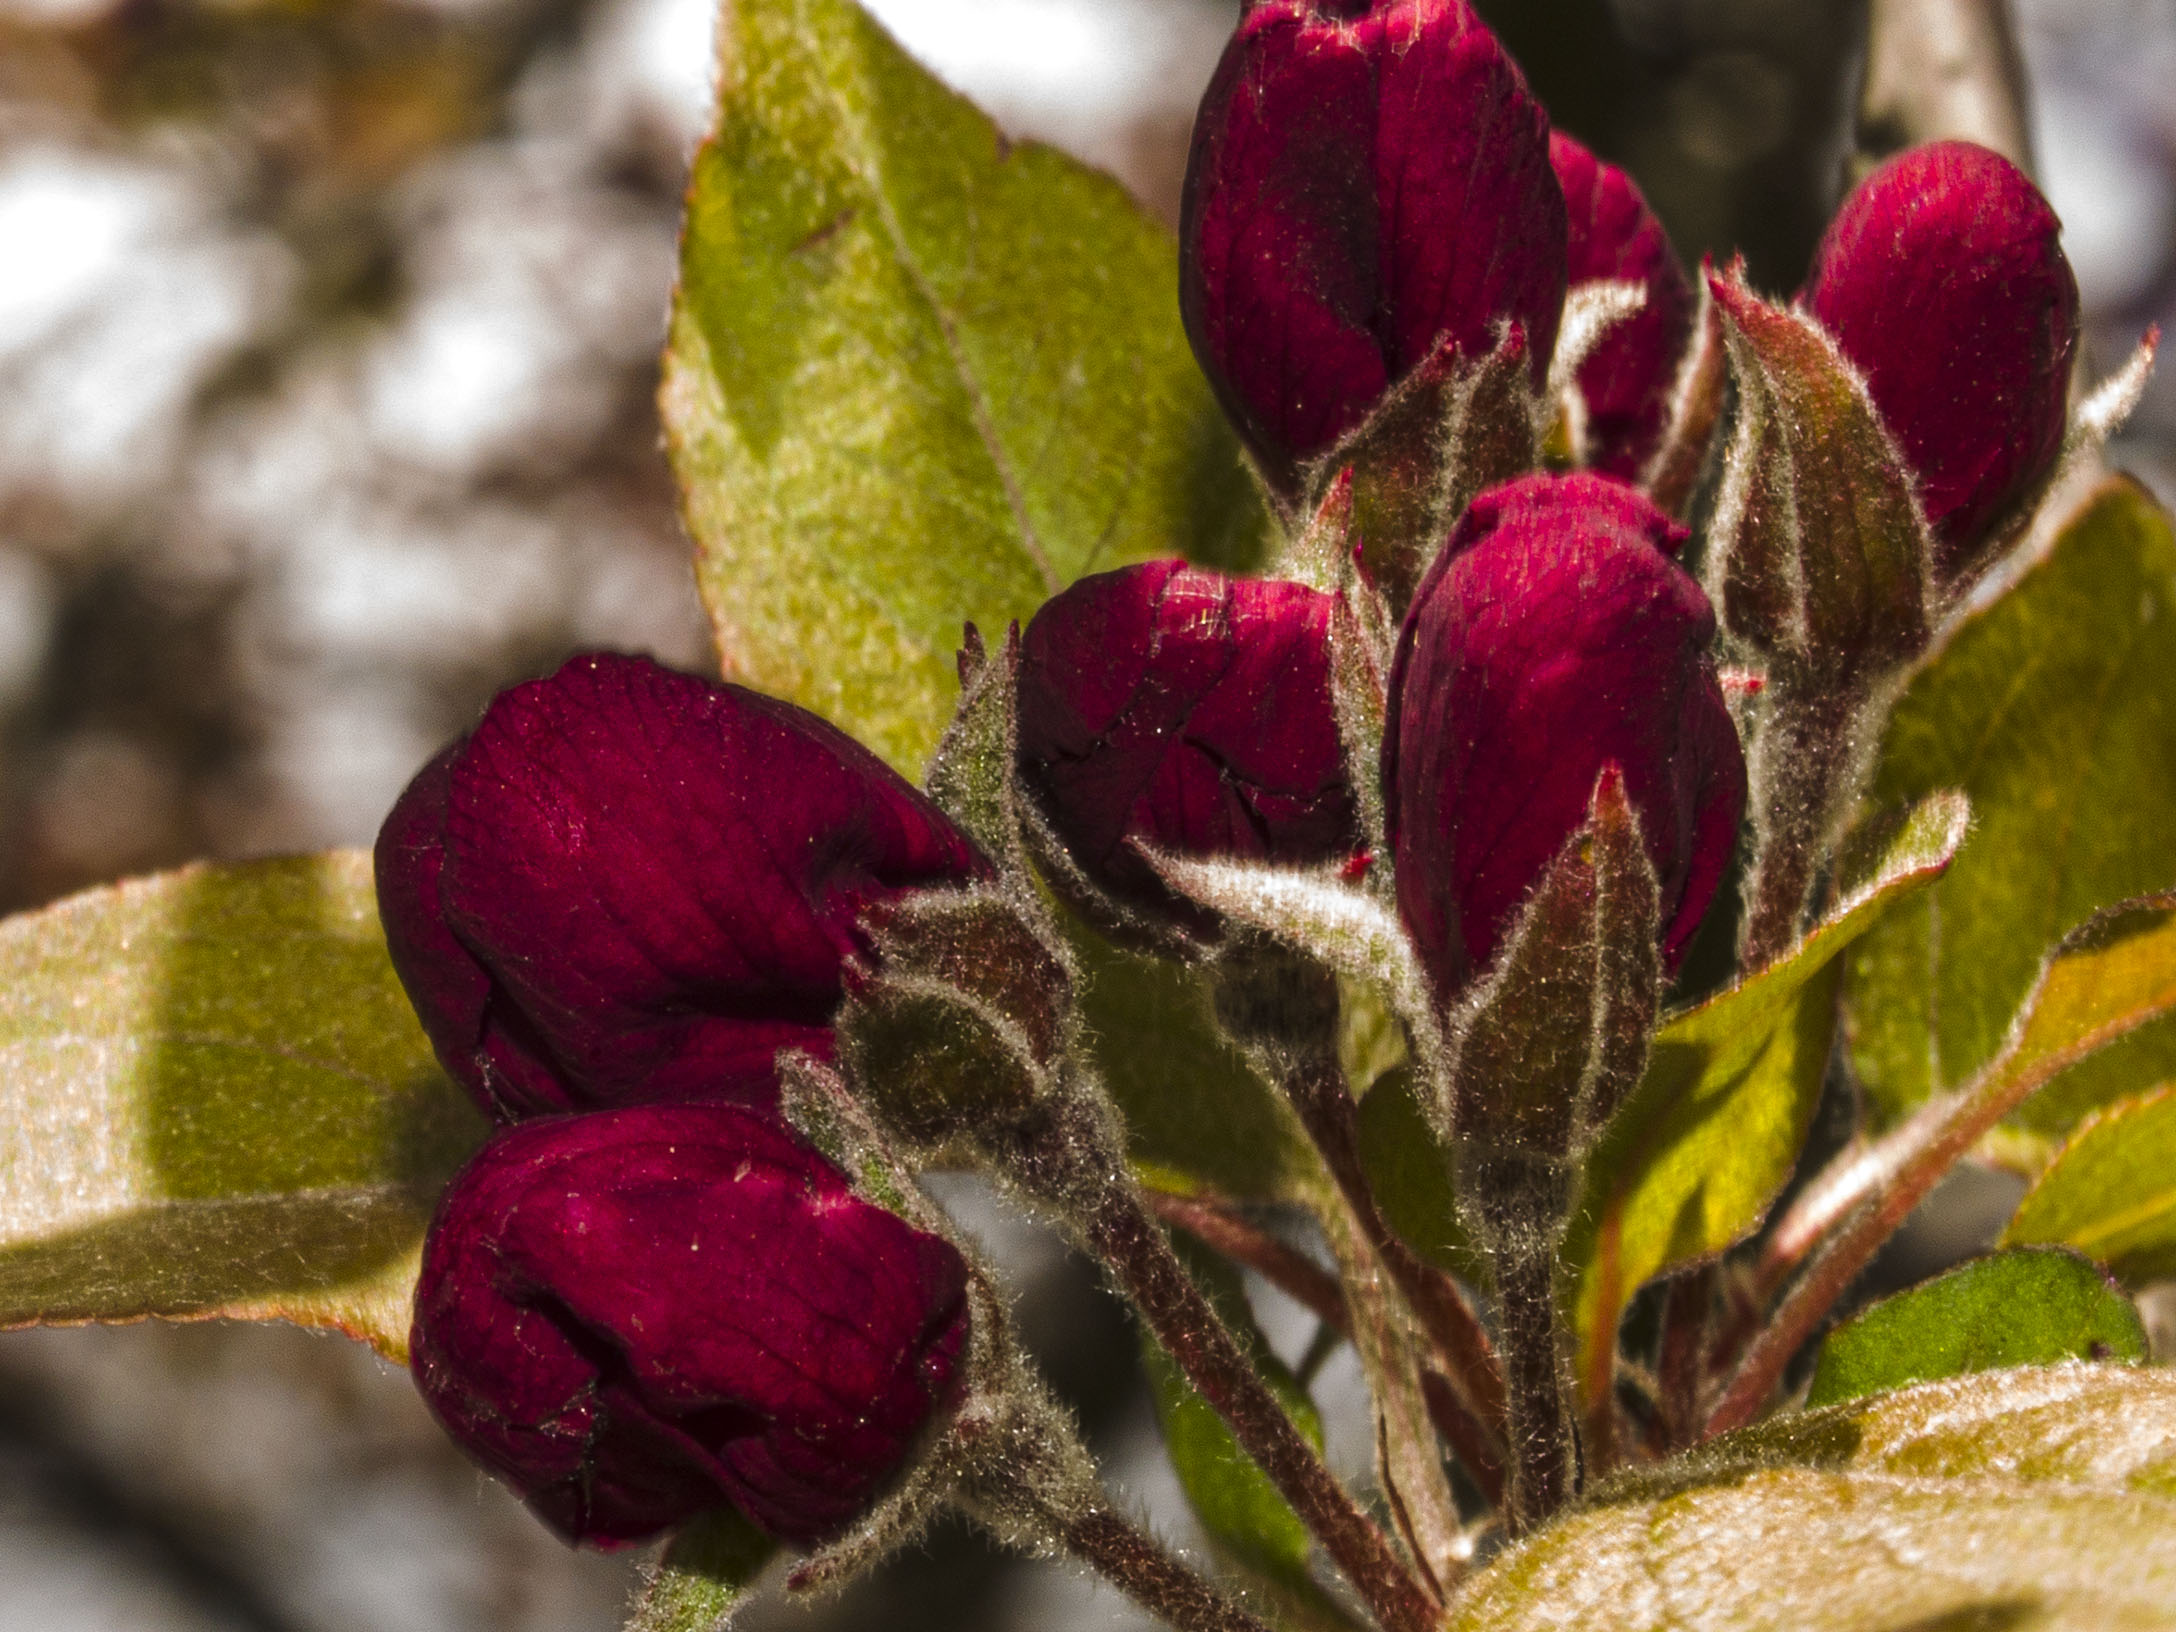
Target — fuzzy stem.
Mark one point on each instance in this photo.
(1285, 1267)
(1801, 780)
(1317, 1291)
(1070, 1156)
(1121, 1232)
(1516, 1204)
(1148, 1574)
(1316, 1086)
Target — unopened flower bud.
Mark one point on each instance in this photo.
(1943, 280)
(1624, 383)
(1187, 711)
(1368, 182)
(1553, 637)
(630, 885)
(633, 1316)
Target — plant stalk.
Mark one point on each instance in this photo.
(1801, 782)
(1072, 1162)
(1320, 1095)
(1517, 1204)
(1317, 1291)
(1147, 1573)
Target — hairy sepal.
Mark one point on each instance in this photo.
(965, 1019)
(970, 775)
(1451, 428)
(1591, 310)
(2107, 408)
(1552, 1038)
(1820, 557)
(1344, 928)
(1696, 408)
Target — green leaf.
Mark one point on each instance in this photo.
(703, 1576)
(2054, 708)
(917, 374)
(1231, 1496)
(1197, 1115)
(217, 1102)
(1702, 1145)
(1410, 1173)
(2110, 1191)
(2026, 1308)
(2041, 1499)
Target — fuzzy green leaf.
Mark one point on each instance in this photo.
(703, 1575)
(1700, 1148)
(2006, 1500)
(215, 1100)
(1197, 1115)
(2110, 1191)
(916, 374)
(2054, 708)
(2030, 1307)
(1409, 1170)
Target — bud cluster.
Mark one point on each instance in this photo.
(1471, 747)
(645, 1296)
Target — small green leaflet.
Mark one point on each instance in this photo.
(2030, 1307)
(1700, 1147)
(2110, 1191)
(2054, 708)
(917, 374)
(704, 1575)
(2005, 1500)
(215, 1100)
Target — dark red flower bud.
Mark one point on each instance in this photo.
(635, 1315)
(1554, 636)
(1367, 182)
(1190, 711)
(1626, 379)
(631, 885)
(1943, 279)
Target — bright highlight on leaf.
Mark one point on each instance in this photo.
(2036, 1498)
(917, 374)
(216, 1101)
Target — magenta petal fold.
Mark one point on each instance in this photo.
(1554, 636)
(1366, 183)
(1943, 280)
(1189, 711)
(1626, 380)
(635, 1315)
(629, 885)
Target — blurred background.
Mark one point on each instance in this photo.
(327, 351)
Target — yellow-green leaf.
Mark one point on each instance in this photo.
(2030, 1307)
(1699, 1149)
(2041, 1499)
(2110, 1191)
(215, 1100)
(2054, 708)
(917, 374)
